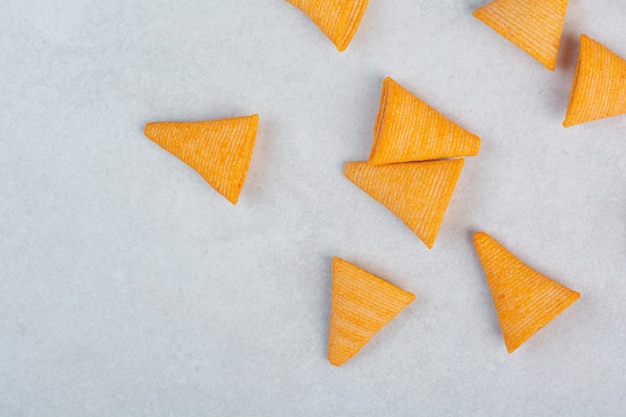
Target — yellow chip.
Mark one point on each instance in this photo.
(338, 19)
(219, 150)
(407, 129)
(362, 304)
(417, 192)
(599, 86)
(525, 300)
(533, 25)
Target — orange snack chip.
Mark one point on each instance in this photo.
(362, 304)
(407, 129)
(219, 150)
(599, 86)
(525, 299)
(417, 192)
(338, 19)
(533, 25)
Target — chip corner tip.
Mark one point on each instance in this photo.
(512, 343)
(548, 60)
(430, 242)
(479, 236)
(233, 199)
(457, 164)
(510, 348)
(147, 128)
(341, 47)
(349, 166)
(477, 142)
(478, 13)
(334, 362)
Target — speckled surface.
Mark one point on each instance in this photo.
(128, 287)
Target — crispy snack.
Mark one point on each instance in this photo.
(417, 192)
(533, 25)
(219, 150)
(525, 299)
(338, 19)
(362, 304)
(599, 86)
(407, 129)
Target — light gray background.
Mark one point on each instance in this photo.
(130, 288)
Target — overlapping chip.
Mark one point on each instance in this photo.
(362, 304)
(407, 129)
(525, 300)
(219, 150)
(533, 25)
(599, 86)
(338, 19)
(417, 192)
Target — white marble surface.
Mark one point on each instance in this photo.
(128, 287)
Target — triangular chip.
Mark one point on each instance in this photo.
(599, 87)
(417, 192)
(525, 299)
(220, 150)
(533, 25)
(362, 304)
(338, 19)
(407, 129)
